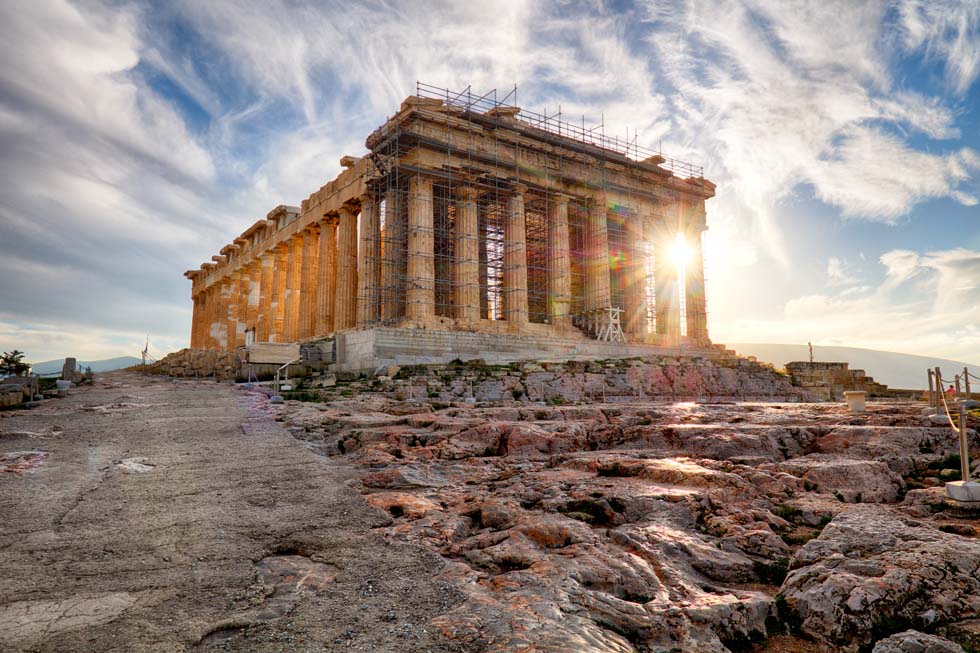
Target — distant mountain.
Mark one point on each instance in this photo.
(54, 367)
(905, 371)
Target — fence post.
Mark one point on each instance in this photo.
(964, 449)
(932, 397)
(939, 391)
(966, 381)
(958, 394)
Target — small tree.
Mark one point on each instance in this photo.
(12, 363)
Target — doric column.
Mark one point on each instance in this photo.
(279, 274)
(634, 280)
(515, 259)
(207, 338)
(254, 275)
(244, 283)
(307, 296)
(393, 248)
(234, 290)
(559, 264)
(221, 315)
(263, 322)
(420, 293)
(294, 270)
(466, 262)
(597, 256)
(369, 262)
(667, 294)
(196, 321)
(694, 297)
(327, 273)
(345, 306)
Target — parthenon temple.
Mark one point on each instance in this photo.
(472, 227)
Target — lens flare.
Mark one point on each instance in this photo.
(680, 252)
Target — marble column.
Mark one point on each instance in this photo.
(214, 299)
(559, 264)
(244, 283)
(279, 274)
(263, 323)
(327, 276)
(634, 280)
(254, 294)
(694, 298)
(231, 326)
(466, 273)
(393, 248)
(420, 292)
(597, 256)
(667, 287)
(221, 314)
(196, 319)
(515, 259)
(294, 270)
(369, 263)
(307, 296)
(345, 306)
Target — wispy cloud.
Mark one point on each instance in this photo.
(137, 138)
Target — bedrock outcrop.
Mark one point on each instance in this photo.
(655, 526)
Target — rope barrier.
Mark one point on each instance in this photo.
(948, 416)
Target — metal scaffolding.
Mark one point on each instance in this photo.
(453, 142)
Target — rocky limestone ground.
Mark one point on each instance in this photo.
(143, 514)
(646, 526)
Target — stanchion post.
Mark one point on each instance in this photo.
(939, 390)
(932, 397)
(964, 449)
(966, 381)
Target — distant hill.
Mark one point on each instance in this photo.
(54, 367)
(905, 371)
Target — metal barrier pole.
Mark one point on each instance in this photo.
(964, 449)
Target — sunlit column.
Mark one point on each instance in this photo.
(294, 270)
(559, 264)
(263, 323)
(345, 307)
(244, 285)
(694, 293)
(307, 296)
(466, 282)
(279, 293)
(327, 276)
(393, 249)
(635, 281)
(515, 259)
(231, 327)
(420, 293)
(667, 294)
(221, 315)
(369, 262)
(597, 255)
(196, 321)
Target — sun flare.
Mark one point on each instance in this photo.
(680, 252)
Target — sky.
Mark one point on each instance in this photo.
(137, 138)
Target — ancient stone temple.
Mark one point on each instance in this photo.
(472, 228)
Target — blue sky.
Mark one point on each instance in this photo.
(136, 138)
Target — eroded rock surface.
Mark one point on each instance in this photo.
(656, 527)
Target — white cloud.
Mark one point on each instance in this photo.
(948, 30)
(929, 303)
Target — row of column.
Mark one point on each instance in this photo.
(420, 278)
(309, 285)
(304, 287)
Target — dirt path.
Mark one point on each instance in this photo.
(149, 515)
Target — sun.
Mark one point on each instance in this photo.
(680, 252)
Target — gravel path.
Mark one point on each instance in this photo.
(142, 514)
